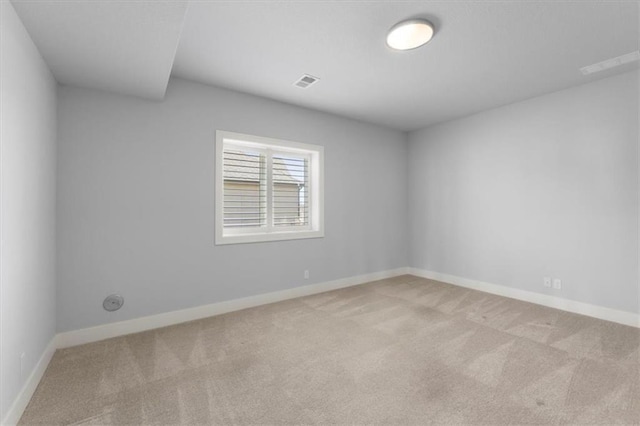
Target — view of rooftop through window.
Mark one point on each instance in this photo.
(245, 189)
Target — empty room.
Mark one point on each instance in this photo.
(319, 212)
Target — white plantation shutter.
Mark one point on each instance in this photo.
(245, 188)
(290, 190)
(267, 190)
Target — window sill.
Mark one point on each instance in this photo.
(266, 237)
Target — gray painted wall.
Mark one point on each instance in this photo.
(545, 187)
(136, 202)
(27, 213)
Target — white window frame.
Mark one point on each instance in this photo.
(269, 146)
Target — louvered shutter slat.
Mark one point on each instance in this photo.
(245, 195)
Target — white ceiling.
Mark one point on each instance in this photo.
(484, 54)
(122, 46)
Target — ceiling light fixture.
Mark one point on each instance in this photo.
(410, 34)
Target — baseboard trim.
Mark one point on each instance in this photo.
(101, 332)
(22, 400)
(600, 312)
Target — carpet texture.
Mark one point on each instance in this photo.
(404, 350)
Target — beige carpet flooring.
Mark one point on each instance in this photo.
(398, 351)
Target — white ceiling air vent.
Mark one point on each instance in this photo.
(306, 81)
(611, 63)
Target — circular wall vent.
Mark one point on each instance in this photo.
(113, 302)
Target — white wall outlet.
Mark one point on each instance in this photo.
(22, 360)
(306, 274)
(557, 283)
(547, 282)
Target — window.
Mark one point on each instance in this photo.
(267, 189)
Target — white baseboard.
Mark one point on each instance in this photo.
(22, 400)
(101, 332)
(600, 312)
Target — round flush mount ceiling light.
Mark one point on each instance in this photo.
(410, 34)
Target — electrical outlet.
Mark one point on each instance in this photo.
(557, 283)
(306, 274)
(547, 282)
(22, 359)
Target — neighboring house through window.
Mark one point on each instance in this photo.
(267, 189)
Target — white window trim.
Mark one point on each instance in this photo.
(316, 199)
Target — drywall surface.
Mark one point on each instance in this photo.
(544, 187)
(27, 212)
(136, 202)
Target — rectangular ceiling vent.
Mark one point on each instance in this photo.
(611, 63)
(306, 81)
